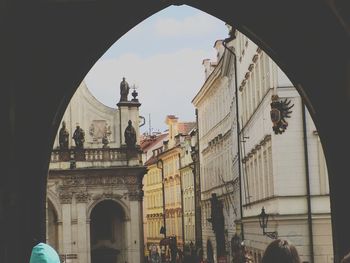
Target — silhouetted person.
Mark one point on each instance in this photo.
(280, 251)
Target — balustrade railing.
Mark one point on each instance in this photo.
(93, 155)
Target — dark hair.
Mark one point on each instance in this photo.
(280, 251)
(346, 258)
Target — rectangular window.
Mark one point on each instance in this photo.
(267, 73)
(262, 74)
(256, 172)
(249, 98)
(270, 170)
(252, 80)
(266, 173)
(258, 81)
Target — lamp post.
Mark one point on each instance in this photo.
(263, 220)
(160, 166)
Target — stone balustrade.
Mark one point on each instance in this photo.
(96, 154)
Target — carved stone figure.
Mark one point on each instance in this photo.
(79, 137)
(130, 135)
(218, 223)
(63, 137)
(124, 90)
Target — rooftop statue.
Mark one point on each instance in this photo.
(63, 137)
(124, 90)
(79, 137)
(130, 135)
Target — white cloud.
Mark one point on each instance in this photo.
(167, 82)
(196, 25)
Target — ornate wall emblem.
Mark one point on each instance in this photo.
(99, 129)
(279, 111)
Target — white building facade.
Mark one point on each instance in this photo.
(216, 146)
(278, 169)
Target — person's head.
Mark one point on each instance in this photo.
(63, 124)
(346, 259)
(43, 253)
(129, 122)
(280, 251)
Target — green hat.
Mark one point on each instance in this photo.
(43, 253)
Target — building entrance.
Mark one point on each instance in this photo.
(107, 229)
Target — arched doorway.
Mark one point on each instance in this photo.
(107, 233)
(52, 225)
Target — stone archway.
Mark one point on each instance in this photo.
(308, 39)
(108, 233)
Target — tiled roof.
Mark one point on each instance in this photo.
(185, 127)
(148, 142)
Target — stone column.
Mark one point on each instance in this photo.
(82, 238)
(66, 201)
(136, 235)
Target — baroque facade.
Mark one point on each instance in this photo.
(94, 192)
(283, 166)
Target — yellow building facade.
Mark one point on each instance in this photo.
(154, 201)
(164, 166)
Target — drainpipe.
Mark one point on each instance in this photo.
(307, 173)
(197, 191)
(182, 207)
(238, 131)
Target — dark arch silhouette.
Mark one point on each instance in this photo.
(104, 220)
(48, 46)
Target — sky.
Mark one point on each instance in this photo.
(162, 57)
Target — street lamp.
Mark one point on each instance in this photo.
(160, 165)
(263, 220)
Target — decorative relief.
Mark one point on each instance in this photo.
(82, 197)
(251, 66)
(107, 196)
(99, 129)
(136, 195)
(65, 197)
(130, 179)
(92, 180)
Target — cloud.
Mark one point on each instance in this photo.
(167, 82)
(197, 25)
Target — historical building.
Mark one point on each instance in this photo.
(153, 209)
(94, 192)
(167, 167)
(283, 166)
(218, 180)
